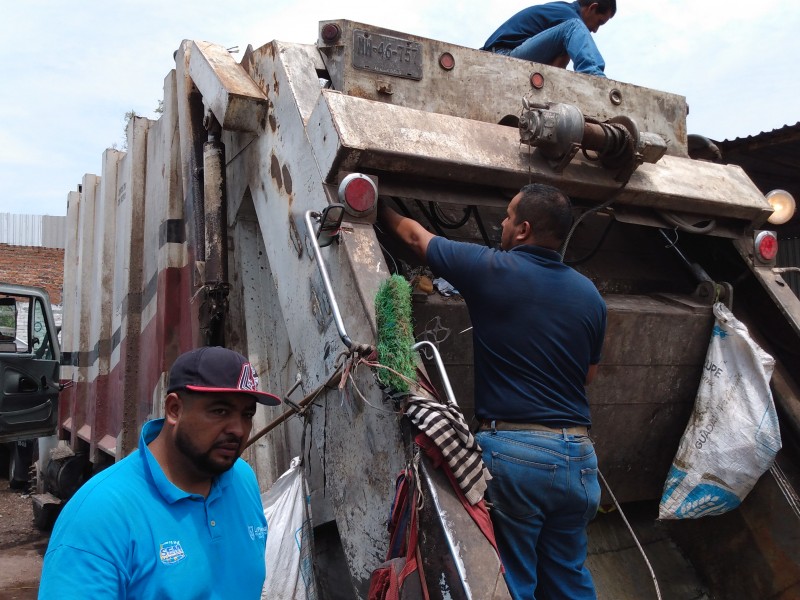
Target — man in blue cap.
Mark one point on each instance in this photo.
(554, 33)
(182, 517)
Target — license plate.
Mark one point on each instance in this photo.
(387, 54)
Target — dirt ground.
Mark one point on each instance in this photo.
(22, 546)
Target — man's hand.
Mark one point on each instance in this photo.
(411, 233)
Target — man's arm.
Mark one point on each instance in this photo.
(411, 233)
(590, 374)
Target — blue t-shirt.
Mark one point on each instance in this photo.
(530, 21)
(130, 533)
(537, 326)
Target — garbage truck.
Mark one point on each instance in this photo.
(245, 216)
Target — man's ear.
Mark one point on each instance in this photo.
(173, 406)
(523, 231)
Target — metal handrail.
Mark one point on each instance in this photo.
(440, 365)
(326, 280)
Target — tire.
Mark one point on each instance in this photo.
(19, 462)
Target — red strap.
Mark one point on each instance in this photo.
(477, 511)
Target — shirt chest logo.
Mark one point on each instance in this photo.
(256, 532)
(171, 552)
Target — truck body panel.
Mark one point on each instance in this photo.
(169, 251)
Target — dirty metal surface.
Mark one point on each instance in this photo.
(359, 444)
(233, 97)
(777, 288)
(483, 86)
(361, 135)
(618, 568)
(752, 551)
(458, 561)
(644, 392)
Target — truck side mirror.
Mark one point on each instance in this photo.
(329, 223)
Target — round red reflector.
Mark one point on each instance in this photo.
(330, 33)
(537, 80)
(767, 245)
(358, 192)
(446, 61)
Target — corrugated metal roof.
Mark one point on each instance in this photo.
(771, 159)
(33, 230)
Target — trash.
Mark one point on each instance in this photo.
(445, 287)
(288, 555)
(733, 435)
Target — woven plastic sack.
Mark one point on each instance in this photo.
(288, 555)
(733, 436)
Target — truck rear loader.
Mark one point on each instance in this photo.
(220, 224)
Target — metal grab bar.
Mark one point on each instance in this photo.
(440, 365)
(326, 280)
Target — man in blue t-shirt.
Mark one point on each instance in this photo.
(182, 517)
(538, 329)
(554, 33)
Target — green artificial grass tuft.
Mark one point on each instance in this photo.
(395, 333)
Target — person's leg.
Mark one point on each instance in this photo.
(516, 516)
(525, 467)
(571, 37)
(562, 572)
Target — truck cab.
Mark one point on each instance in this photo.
(29, 374)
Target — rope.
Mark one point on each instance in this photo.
(635, 539)
(333, 380)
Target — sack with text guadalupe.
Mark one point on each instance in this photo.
(732, 436)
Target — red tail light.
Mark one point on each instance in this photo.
(767, 246)
(358, 193)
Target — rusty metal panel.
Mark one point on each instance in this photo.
(483, 86)
(751, 552)
(354, 134)
(360, 445)
(789, 256)
(644, 392)
(233, 97)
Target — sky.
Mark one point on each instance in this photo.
(74, 69)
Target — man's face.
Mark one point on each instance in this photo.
(213, 428)
(510, 228)
(594, 19)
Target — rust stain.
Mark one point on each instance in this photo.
(273, 122)
(287, 179)
(360, 92)
(275, 171)
(275, 85)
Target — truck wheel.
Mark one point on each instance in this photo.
(19, 462)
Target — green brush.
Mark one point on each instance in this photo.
(395, 333)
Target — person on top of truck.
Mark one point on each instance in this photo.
(538, 330)
(182, 517)
(554, 33)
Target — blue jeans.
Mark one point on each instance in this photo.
(570, 37)
(543, 493)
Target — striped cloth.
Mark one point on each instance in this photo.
(444, 424)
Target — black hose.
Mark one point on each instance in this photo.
(597, 246)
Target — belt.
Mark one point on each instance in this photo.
(488, 424)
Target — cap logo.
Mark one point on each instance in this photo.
(248, 379)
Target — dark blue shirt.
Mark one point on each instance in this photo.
(530, 21)
(537, 326)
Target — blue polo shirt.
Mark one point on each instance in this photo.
(530, 21)
(537, 326)
(130, 533)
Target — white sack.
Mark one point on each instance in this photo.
(733, 435)
(287, 556)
